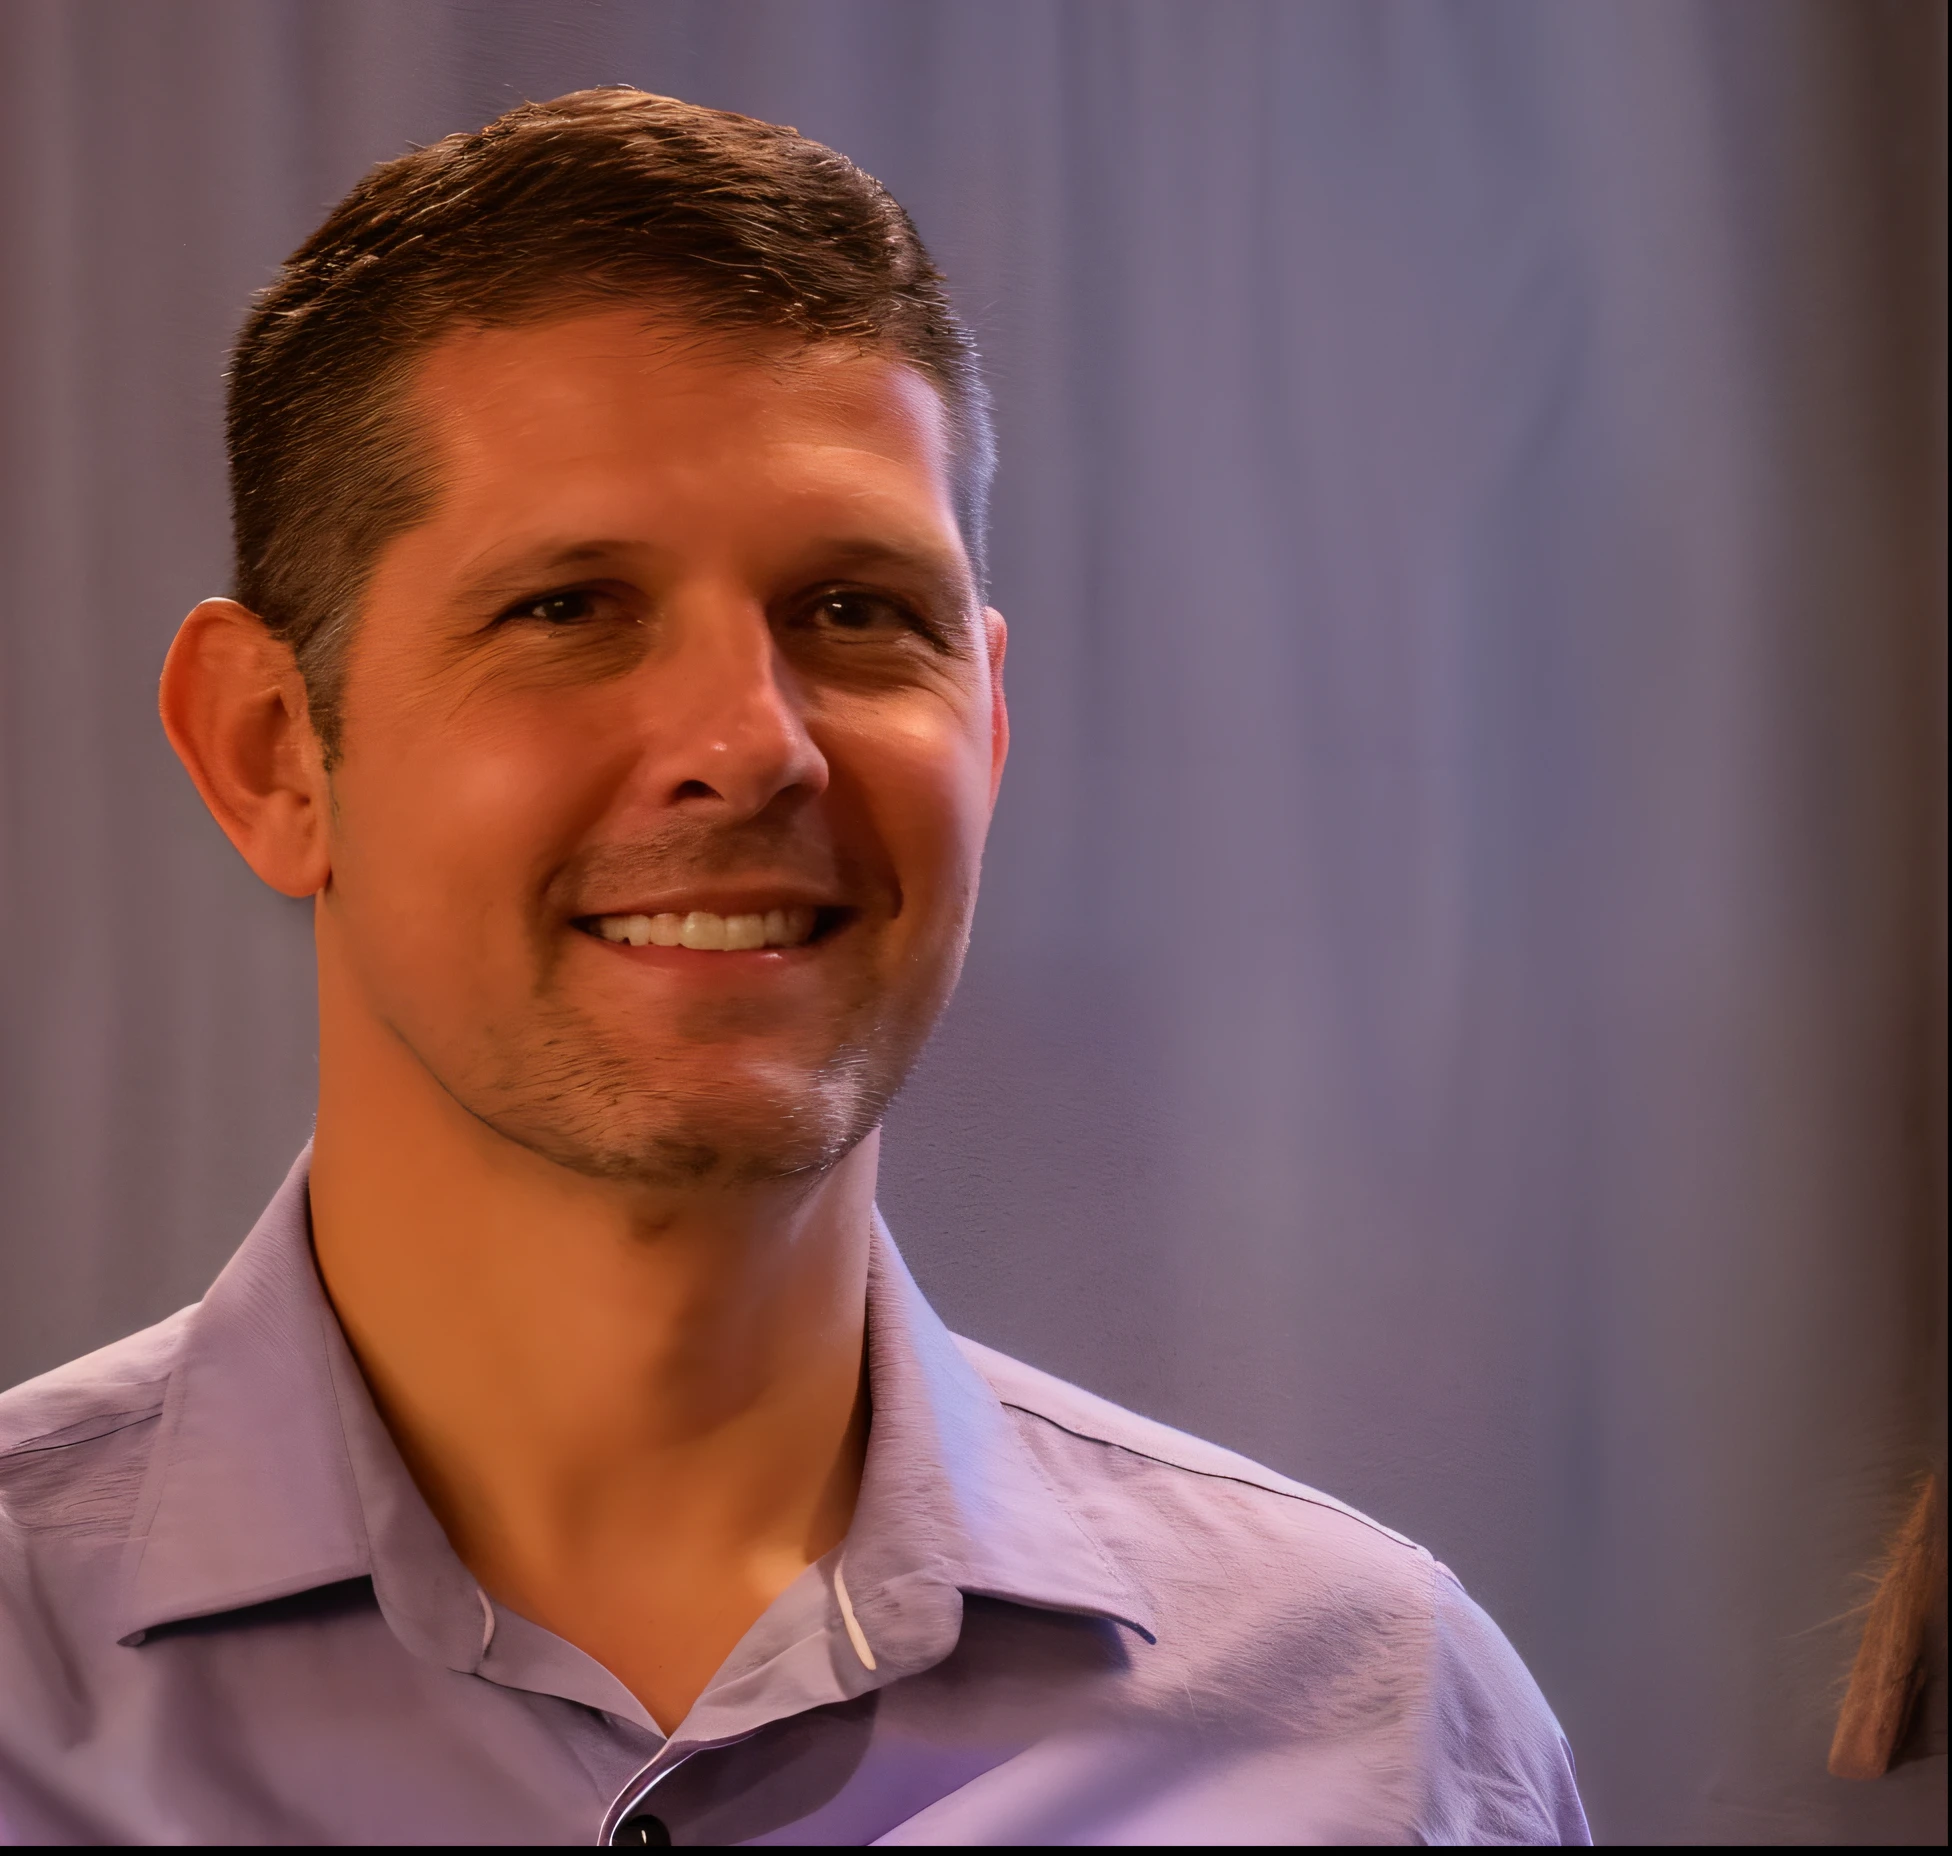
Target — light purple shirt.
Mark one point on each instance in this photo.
(227, 1616)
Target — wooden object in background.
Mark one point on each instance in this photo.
(1885, 1680)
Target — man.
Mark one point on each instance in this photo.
(567, 1456)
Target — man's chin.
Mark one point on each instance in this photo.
(707, 1159)
(736, 1132)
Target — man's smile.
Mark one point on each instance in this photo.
(779, 928)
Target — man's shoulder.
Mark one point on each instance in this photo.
(1174, 1499)
(79, 1434)
(126, 1379)
(1281, 1606)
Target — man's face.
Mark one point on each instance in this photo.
(688, 652)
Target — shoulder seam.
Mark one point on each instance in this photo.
(82, 1431)
(1220, 1475)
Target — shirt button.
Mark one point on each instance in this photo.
(641, 1828)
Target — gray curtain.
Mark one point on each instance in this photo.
(1456, 1000)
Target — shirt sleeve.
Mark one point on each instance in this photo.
(1498, 1769)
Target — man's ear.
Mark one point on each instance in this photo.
(997, 635)
(233, 705)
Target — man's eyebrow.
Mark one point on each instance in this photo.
(946, 575)
(521, 573)
(869, 554)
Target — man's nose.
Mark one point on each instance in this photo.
(727, 728)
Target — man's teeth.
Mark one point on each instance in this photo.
(704, 930)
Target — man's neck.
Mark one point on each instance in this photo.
(638, 1414)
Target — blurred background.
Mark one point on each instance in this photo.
(1457, 1004)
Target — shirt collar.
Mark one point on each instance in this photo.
(950, 1490)
(273, 1475)
(250, 1493)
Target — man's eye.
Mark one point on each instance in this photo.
(572, 608)
(858, 612)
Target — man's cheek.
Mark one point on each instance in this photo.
(488, 801)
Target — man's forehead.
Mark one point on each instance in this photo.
(624, 375)
(602, 433)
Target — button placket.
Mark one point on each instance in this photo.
(629, 1809)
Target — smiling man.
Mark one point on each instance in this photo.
(566, 1456)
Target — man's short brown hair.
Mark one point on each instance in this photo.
(608, 194)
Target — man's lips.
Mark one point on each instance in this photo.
(775, 927)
